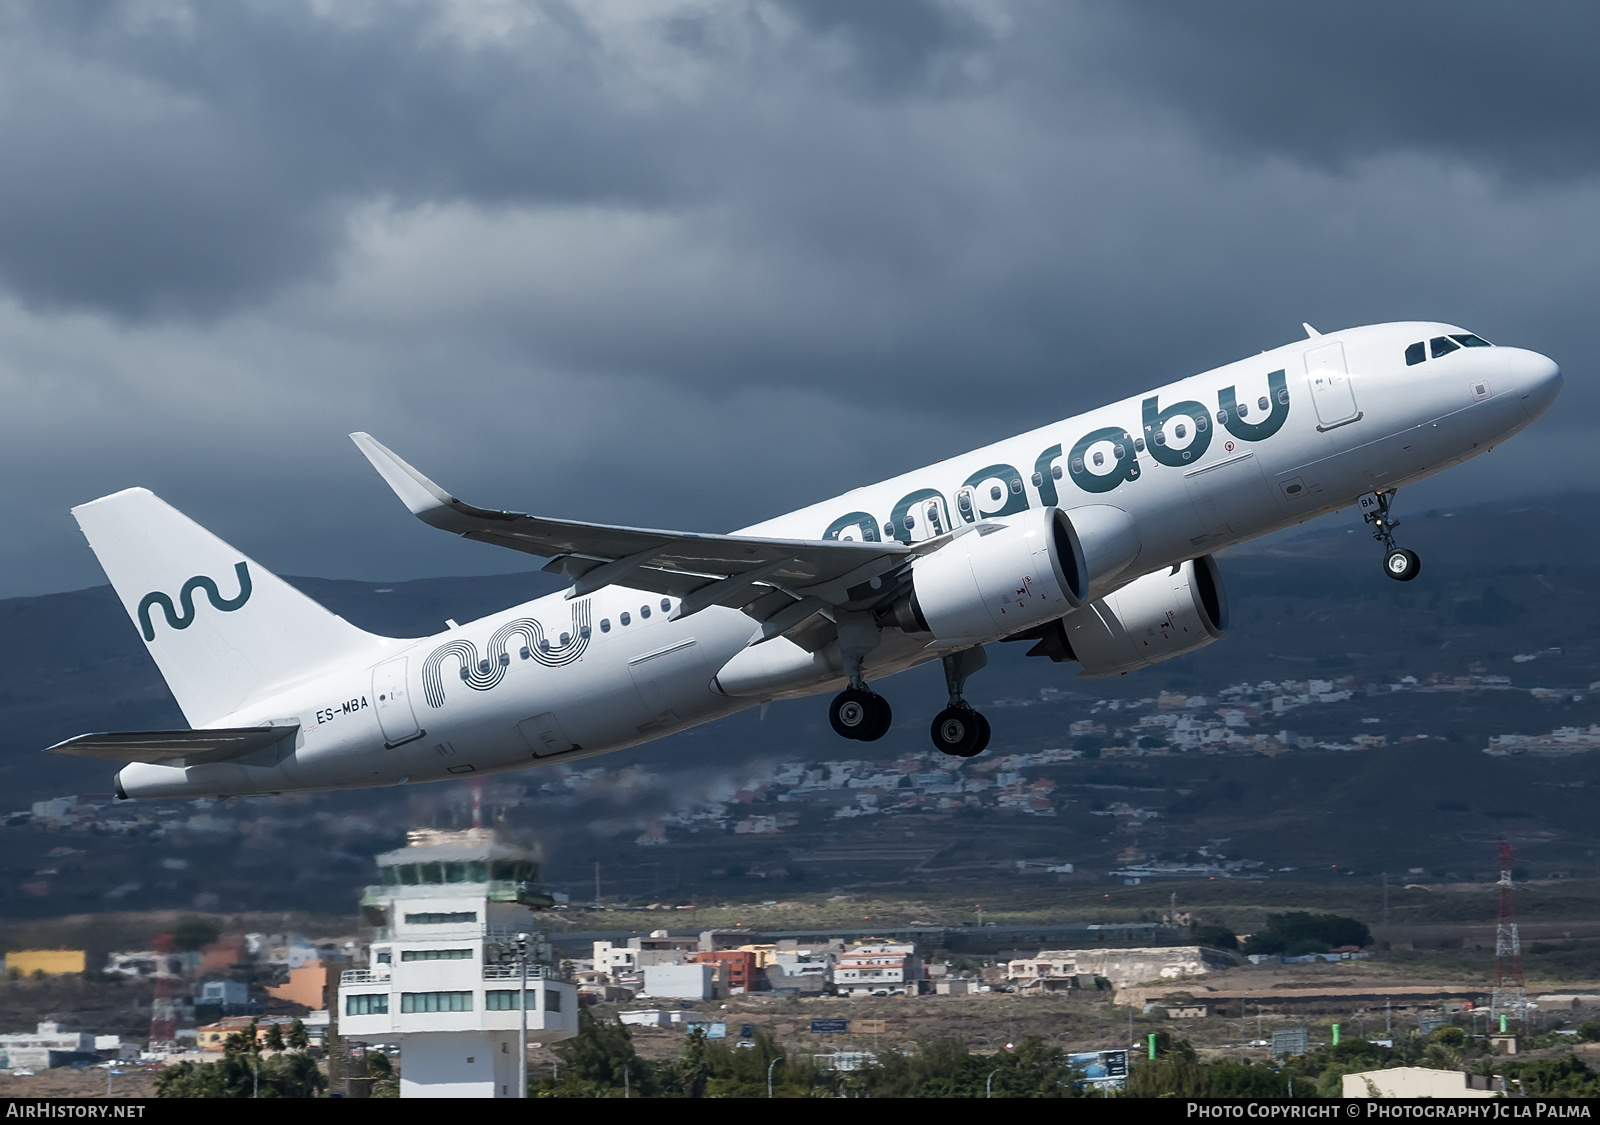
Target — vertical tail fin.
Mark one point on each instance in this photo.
(222, 629)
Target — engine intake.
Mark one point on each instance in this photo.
(1151, 619)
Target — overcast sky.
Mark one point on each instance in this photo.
(693, 264)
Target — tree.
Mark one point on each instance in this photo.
(1555, 1078)
(297, 1038)
(385, 1083)
(1298, 932)
(598, 1062)
(1217, 937)
(274, 1037)
(192, 933)
(293, 1074)
(944, 1068)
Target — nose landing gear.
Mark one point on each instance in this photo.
(958, 730)
(1399, 563)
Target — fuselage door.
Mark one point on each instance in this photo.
(392, 698)
(1331, 391)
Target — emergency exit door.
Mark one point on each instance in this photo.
(1332, 394)
(391, 696)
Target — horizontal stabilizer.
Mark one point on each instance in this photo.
(176, 747)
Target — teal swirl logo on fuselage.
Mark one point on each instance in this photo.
(186, 599)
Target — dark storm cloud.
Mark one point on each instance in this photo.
(696, 264)
(191, 162)
(1506, 86)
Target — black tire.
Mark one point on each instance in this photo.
(1402, 564)
(882, 719)
(853, 714)
(955, 731)
(983, 734)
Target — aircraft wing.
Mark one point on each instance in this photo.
(174, 747)
(761, 576)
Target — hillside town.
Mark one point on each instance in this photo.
(1242, 720)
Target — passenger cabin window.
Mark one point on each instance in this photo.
(1138, 443)
(1416, 353)
(1442, 345)
(624, 618)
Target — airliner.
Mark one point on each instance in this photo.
(1092, 539)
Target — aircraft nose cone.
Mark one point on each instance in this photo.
(1539, 383)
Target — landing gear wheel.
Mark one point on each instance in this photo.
(883, 717)
(983, 733)
(959, 732)
(1402, 564)
(860, 715)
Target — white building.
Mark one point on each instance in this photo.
(680, 982)
(48, 1046)
(1066, 968)
(660, 948)
(886, 968)
(443, 981)
(1420, 1082)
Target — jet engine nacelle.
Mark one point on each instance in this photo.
(1151, 619)
(1007, 575)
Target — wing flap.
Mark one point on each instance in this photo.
(176, 747)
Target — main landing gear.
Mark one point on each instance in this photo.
(1399, 563)
(958, 730)
(861, 714)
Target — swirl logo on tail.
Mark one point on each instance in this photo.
(186, 599)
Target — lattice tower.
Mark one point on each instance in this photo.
(1510, 996)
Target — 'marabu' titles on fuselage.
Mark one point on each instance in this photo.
(1234, 453)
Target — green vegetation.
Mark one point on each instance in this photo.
(1297, 933)
(1217, 937)
(242, 1072)
(1176, 1072)
(1555, 1078)
(601, 1063)
(195, 933)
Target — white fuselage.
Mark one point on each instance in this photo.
(1346, 416)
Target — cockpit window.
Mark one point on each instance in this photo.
(1442, 345)
(1416, 353)
(1468, 340)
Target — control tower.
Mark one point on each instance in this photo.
(454, 950)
